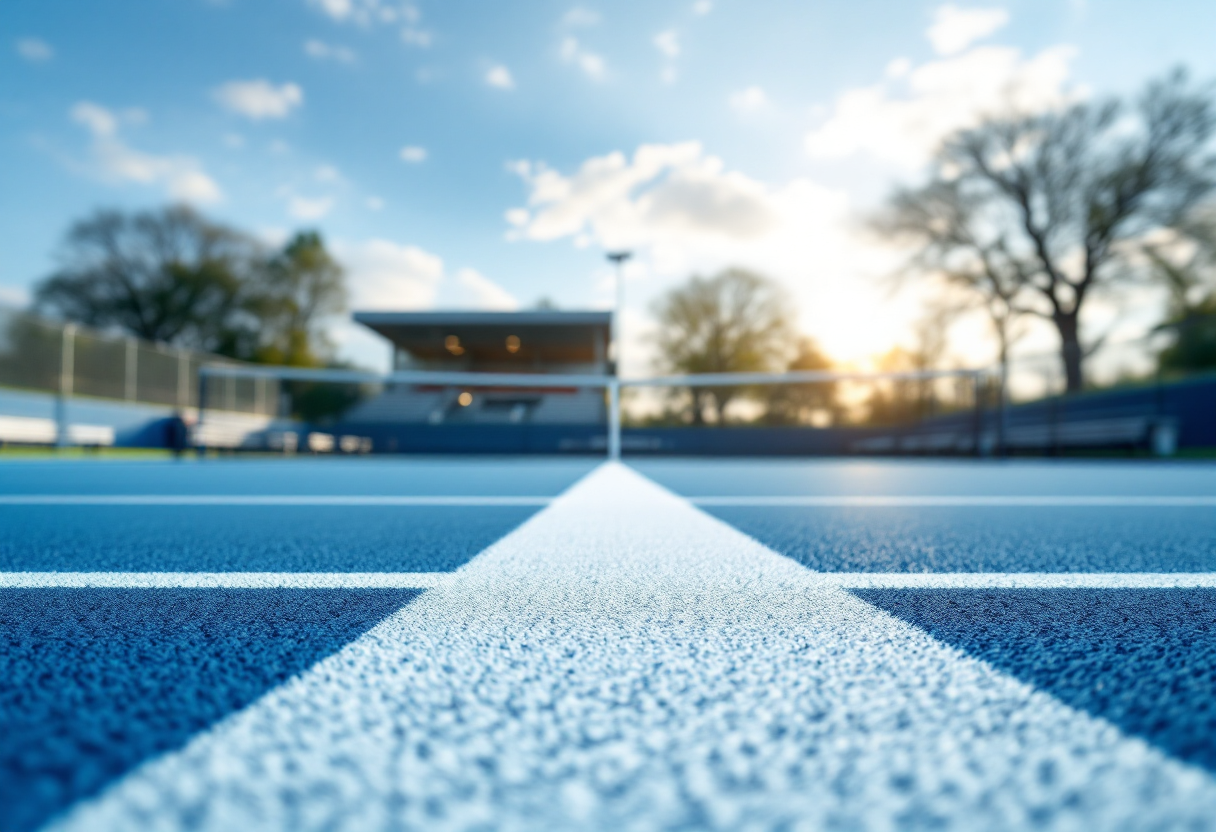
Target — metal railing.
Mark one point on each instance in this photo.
(70, 361)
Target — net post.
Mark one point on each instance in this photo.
(67, 374)
(200, 410)
(131, 370)
(614, 419)
(977, 382)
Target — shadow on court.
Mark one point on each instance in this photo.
(95, 681)
(1142, 659)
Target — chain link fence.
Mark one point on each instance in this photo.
(70, 360)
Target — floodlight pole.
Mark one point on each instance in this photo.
(618, 259)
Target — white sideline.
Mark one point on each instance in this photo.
(264, 500)
(1015, 580)
(224, 580)
(925, 501)
(624, 661)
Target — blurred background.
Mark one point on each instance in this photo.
(1020, 197)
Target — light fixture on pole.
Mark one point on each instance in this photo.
(618, 258)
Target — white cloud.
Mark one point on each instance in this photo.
(323, 51)
(665, 191)
(413, 154)
(702, 7)
(898, 68)
(234, 141)
(259, 98)
(749, 100)
(580, 16)
(416, 37)
(389, 276)
(668, 43)
(374, 203)
(901, 120)
(35, 50)
(181, 177)
(683, 211)
(954, 29)
(472, 290)
(500, 77)
(308, 209)
(385, 275)
(591, 64)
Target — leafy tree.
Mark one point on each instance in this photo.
(802, 404)
(1034, 213)
(1191, 315)
(301, 287)
(167, 275)
(174, 277)
(735, 321)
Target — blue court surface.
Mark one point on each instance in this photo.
(568, 644)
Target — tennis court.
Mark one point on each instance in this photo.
(525, 643)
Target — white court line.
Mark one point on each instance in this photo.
(1014, 580)
(424, 580)
(998, 501)
(225, 580)
(622, 660)
(262, 500)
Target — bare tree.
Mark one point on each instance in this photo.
(1034, 213)
(735, 321)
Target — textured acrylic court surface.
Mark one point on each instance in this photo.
(618, 659)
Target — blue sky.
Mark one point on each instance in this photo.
(484, 154)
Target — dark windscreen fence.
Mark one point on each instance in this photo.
(1154, 394)
(950, 412)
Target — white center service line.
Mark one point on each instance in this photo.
(265, 500)
(995, 501)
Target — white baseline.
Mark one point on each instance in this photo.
(995, 501)
(265, 500)
(224, 580)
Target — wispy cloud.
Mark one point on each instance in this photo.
(668, 43)
(308, 209)
(416, 37)
(413, 154)
(367, 12)
(749, 99)
(702, 7)
(323, 51)
(113, 160)
(328, 174)
(499, 76)
(259, 98)
(35, 50)
(580, 16)
(592, 65)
